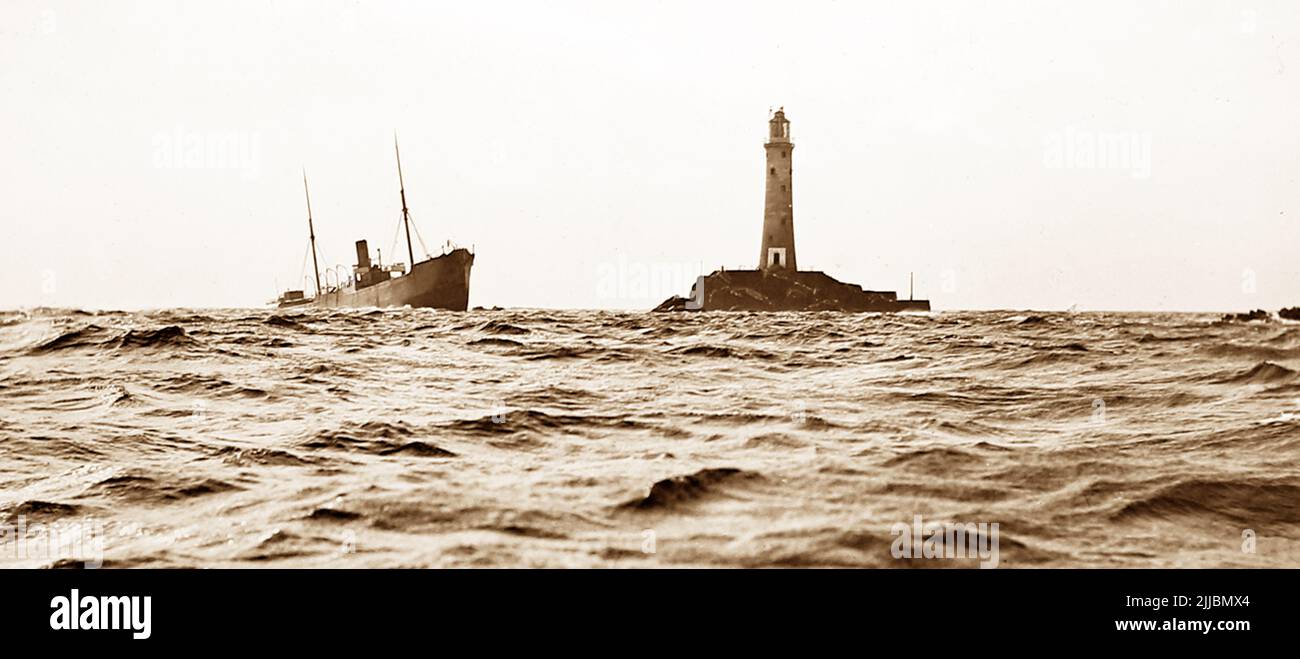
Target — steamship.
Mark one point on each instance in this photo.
(440, 282)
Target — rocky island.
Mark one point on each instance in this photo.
(778, 284)
(778, 289)
(1289, 313)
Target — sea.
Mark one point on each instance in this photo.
(542, 438)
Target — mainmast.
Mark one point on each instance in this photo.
(311, 231)
(406, 215)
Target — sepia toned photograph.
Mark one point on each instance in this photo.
(370, 286)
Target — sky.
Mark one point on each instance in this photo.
(1134, 155)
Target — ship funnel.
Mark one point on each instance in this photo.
(363, 256)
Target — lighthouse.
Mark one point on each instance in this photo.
(778, 206)
(778, 284)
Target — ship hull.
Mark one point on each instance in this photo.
(438, 283)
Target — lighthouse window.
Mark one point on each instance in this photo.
(772, 171)
(783, 154)
(782, 187)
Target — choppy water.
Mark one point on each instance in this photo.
(537, 438)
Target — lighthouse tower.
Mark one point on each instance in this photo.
(778, 208)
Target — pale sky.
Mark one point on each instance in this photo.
(601, 154)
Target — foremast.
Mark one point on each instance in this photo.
(406, 215)
(311, 233)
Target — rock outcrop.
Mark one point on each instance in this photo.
(1257, 314)
(778, 289)
(1289, 313)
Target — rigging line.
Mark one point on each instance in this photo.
(406, 215)
(397, 231)
(302, 272)
(420, 238)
